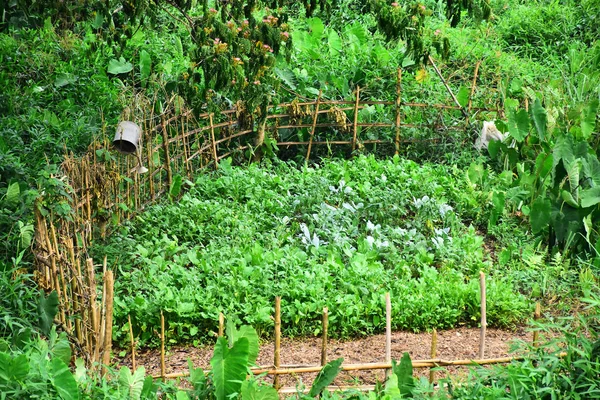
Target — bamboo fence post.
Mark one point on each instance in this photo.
(324, 340)
(355, 126)
(526, 103)
(398, 105)
(162, 346)
(109, 284)
(94, 334)
(314, 125)
(166, 149)
(74, 287)
(439, 74)
(64, 312)
(433, 355)
(221, 324)
(473, 85)
(483, 314)
(133, 364)
(536, 316)
(212, 136)
(388, 331)
(102, 337)
(277, 350)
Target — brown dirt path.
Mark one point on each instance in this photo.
(454, 344)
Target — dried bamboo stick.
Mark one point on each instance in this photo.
(483, 314)
(324, 339)
(355, 126)
(439, 74)
(167, 156)
(314, 125)
(433, 355)
(162, 345)
(398, 109)
(536, 316)
(132, 339)
(277, 350)
(473, 86)
(221, 324)
(214, 144)
(388, 332)
(109, 282)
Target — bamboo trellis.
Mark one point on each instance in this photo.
(105, 188)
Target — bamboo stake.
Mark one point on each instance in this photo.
(536, 316)
(473, 85)
(65, 310)
(74, 291)
(132, 339)
(314, 125)
(388, 332)
(167, 156)
(162, 345)
(433, 355)
(102, 337)
(355, 126)
(437, 71)
(398, 112)
(109, 282)
(483, 314)
(324, 340)
(214, 144)
(94, 334)
(526, 103)
(221, 324)
(277, 350)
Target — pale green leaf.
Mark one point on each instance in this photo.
(539, 117)
(539, 216)
(145, 64)
(229, 367)
(590, 197)
(463, 96)
(335, 43)
(326, 376)
(63, 380)
(120, 66)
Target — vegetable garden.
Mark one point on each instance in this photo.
(308, 156)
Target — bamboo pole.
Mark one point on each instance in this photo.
(388, 332)
(132, 339)
(314, 125)
(277, 350)
(221, 324)
(162, 346)
(433, 355)
(483, 314)
(214, 144)
(93, 310)
(398, 110)
(324, 340)
(439, 74)
(473, 86)
(65, 309)
(536, 316)
(355, 126)
(109, 282)
(167, 156)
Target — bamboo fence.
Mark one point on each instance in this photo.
(104, 187)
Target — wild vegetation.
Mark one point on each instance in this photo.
(329, 232)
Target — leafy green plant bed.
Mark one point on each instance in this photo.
(338, 235)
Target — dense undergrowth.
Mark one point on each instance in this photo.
(527, 215)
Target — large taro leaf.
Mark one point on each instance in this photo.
(325, 377)
(63, 380)
(248, 332)
(251, 391)
(132, 384)
(539, 117)
(540, 214)
(13, 369)
(404, 372)
(229, 367)
(47, 310)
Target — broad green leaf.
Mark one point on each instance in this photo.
(540, 214)
(197, 376)
(590, 197)
(47, 310)
(176, 186)
(335, 43)
(61, 348)
(539, 117)
(229, 367)
(404, 373)
(498, 200)
(63, 380)
(358, 30)
(132, 384)
(591, 169)
(249, 333)
(286, 76)
(119, 67)
(326, 377)
(463, 96)
(475, 173)
(12, 194)
(588, 119)
(13, 369)
(145, 64)
(251, 391)
(381, 54)
(518, 125)
(316, 26)
(543, 165)
(391, 387)
(563, 150)
(64, 80)
(568, 198)
(573, 170)
(181, 395)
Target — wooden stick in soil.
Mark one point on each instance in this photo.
(324, 340)
(483, 314)
(277, 361)
(314, 125)
(388, 332)
(214, 144)
(398, 105)
(167, 156)
(109, 285)
(162, 346)
(132, 339)
(536, 316)
(473, 85)
(221, 324)
(355, 126)
(439, 74)
(433, 355)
